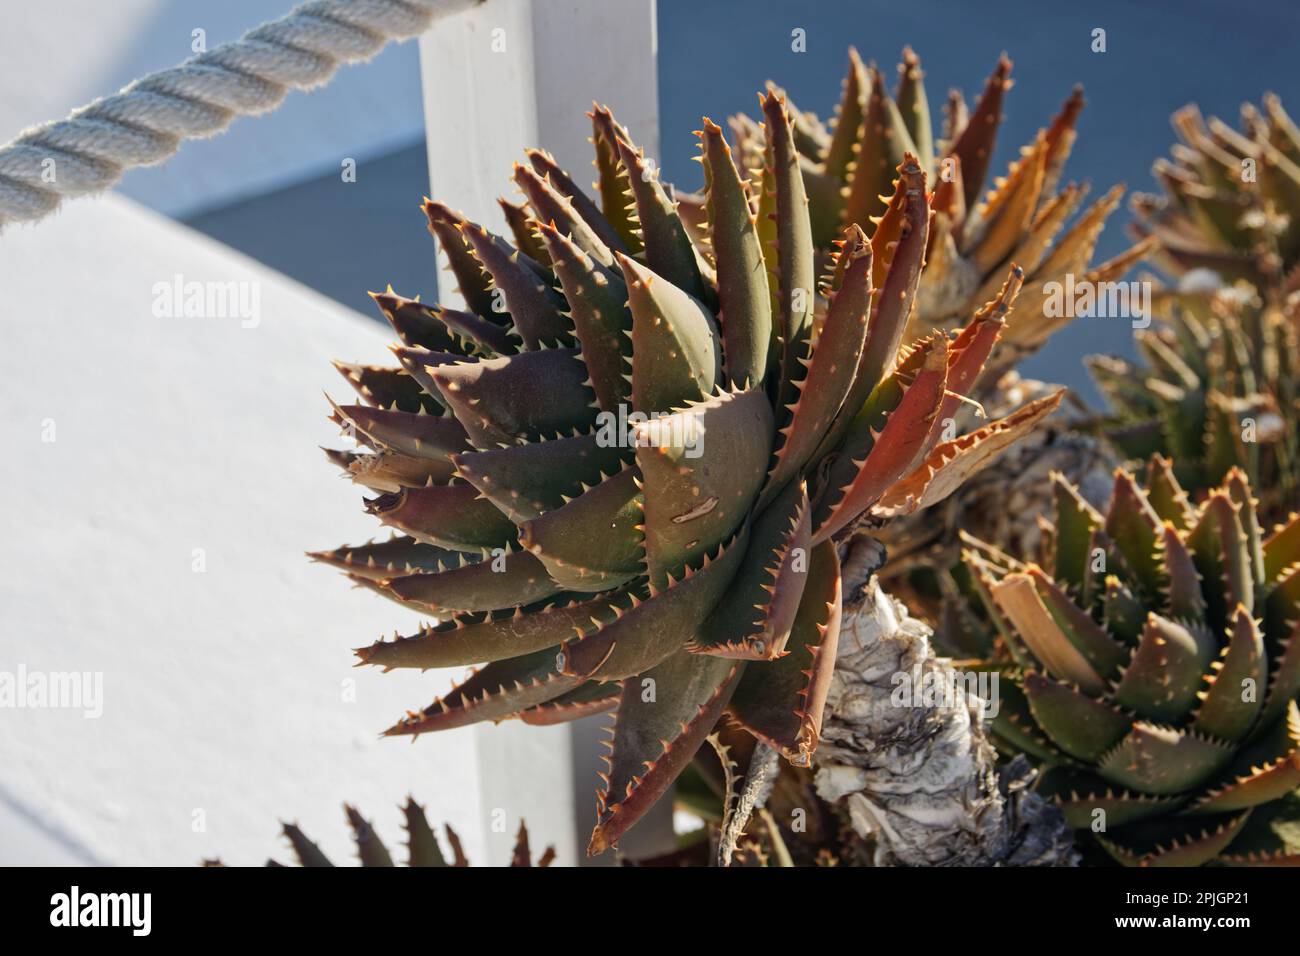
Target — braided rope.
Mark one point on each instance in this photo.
(146, 122)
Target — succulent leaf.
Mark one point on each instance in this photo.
(782, 702)
(594, 541)
(701, 468)
(663, 717)
(527, 480)
(449, 516)
(754, 617)
(675, 347)
(744, 299)
(503, 400)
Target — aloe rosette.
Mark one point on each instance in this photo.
(618, 475)
(982, 223)
(1215, 386)
(1155, 668)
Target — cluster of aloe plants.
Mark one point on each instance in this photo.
(620, 476)
(682, 566)
(1031, 216)
(1155, 666)
(1217, 388)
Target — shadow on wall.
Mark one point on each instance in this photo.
(341, 238)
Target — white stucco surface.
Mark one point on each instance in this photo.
(223, 689)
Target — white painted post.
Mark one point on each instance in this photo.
(499, 78)
(511, 74)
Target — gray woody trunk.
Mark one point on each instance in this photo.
(920, 782)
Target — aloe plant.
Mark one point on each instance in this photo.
(979, 228)
(1154, 668)
(1029, 216)
(1230, 200)
(1216, 384)
(619, 475)
(422, 847)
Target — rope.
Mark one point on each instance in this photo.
(146, 122)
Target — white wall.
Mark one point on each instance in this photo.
(222, 689)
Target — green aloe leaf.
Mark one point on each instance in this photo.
(676, 353)
(613, 183)
(781, 702)
(546, 167)
(654, 629)
(1162, 760)
(1016, 596)
(384, 387)
(421, 845)
(472, 282)
(411, 433)
(1134, 527)
(1175, 842)
(534, 307)
(1163, 677)
(1105, 655)
(370, 848)
(830, 371)
(668, 249)
(1082, 726)
(388, 559)
(914, 107)
(1076, 520)
(503, 400)
(506, 579)
(553, 208)
(850, 113)
(527, 480)
(1231, 704)
(754, 617)
(308, 853)
(493, 636)
(795, 257)
(1267, 770)
(494, 692)
(449, 516)
(663, 717)
(701, 469)
(745, 301)
(1085, 799)
(584, 701)
(881, 146)
(597, 299)
(594, 541)
(1270, 838)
